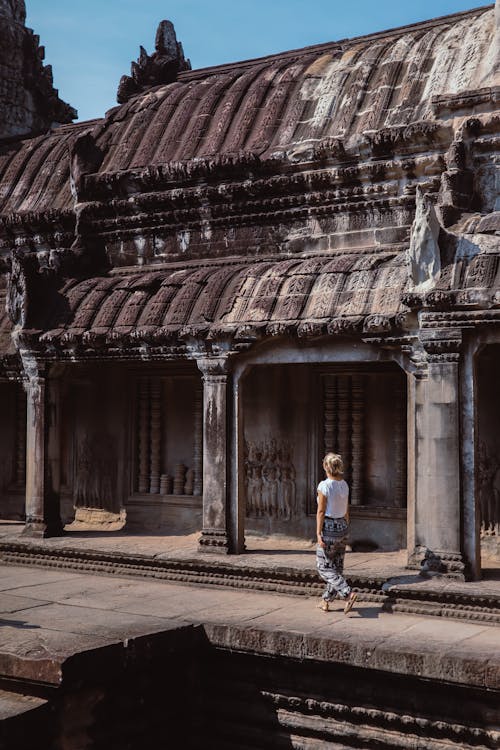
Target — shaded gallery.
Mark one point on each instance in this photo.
(241, 267)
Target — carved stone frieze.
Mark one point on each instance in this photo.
(95, 472)
(489, 490)
(213, 540)
(438, 562)
(270, 480)
(441, 345)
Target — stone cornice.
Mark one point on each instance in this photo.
(212, 344)
(441, 345)
(446, 104)
(378, 155)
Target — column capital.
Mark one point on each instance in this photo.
(213, 368)
(441, 345)
(34, 371)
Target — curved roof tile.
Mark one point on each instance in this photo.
(286, 291)
(335, 90)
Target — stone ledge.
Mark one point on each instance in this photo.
(400, 656)
(434, 597)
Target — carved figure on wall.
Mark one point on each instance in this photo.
(270, 479)
(489, 491)
(95, 473)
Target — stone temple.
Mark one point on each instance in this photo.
(241, 267)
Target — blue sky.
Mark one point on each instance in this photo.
(90, 43)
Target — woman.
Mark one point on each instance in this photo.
(332, 525)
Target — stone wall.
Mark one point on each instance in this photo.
(489, 450)
(292, 416)
(116, 697)
(12, 451)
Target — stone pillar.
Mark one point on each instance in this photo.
(437, 446)
(143, 437)
(238, 500)
(330, 416)
(215, 535)
(345, 424)
(53, 522)
(399, 446)
(20, 473)
(358, 439)
(155, 436)
(42, 465)
(198, 442)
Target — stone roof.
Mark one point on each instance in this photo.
(270, 296)
(278, 105)
(313, 296)
(264, 197)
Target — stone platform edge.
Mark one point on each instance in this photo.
(421, 661)
(426, 600)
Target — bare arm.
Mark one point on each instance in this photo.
(320, 517)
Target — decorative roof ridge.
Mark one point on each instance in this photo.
(189, 75)
(236, 260)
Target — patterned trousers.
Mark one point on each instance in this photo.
(330, 559)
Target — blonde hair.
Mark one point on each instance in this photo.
(333, 464)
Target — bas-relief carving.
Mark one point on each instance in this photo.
(96, 472)
(424, 253)
(270, 480)
(489, 490)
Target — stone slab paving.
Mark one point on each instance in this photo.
(46, 617)
(273, 552)
(274, 564)
(263, 552)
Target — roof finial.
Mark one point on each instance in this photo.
(163, 66)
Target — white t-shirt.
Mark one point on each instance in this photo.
(336, 492)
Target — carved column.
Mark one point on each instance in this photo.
(437, 472)
(53, 461)
(42, 466)
(20, 470)
(215, 533)
(155, 436)
(198, 442)
(35, 455)
(329, 412)
(344, 422)
(399, 446)
(143, 437)
(358, 438)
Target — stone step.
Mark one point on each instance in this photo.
(14, 704)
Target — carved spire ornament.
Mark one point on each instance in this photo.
(162, 67)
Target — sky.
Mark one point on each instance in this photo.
(90, 43)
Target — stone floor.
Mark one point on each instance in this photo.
(262, 552)
(47, 616)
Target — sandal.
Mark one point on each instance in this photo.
(350, 602)
(323, 604)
